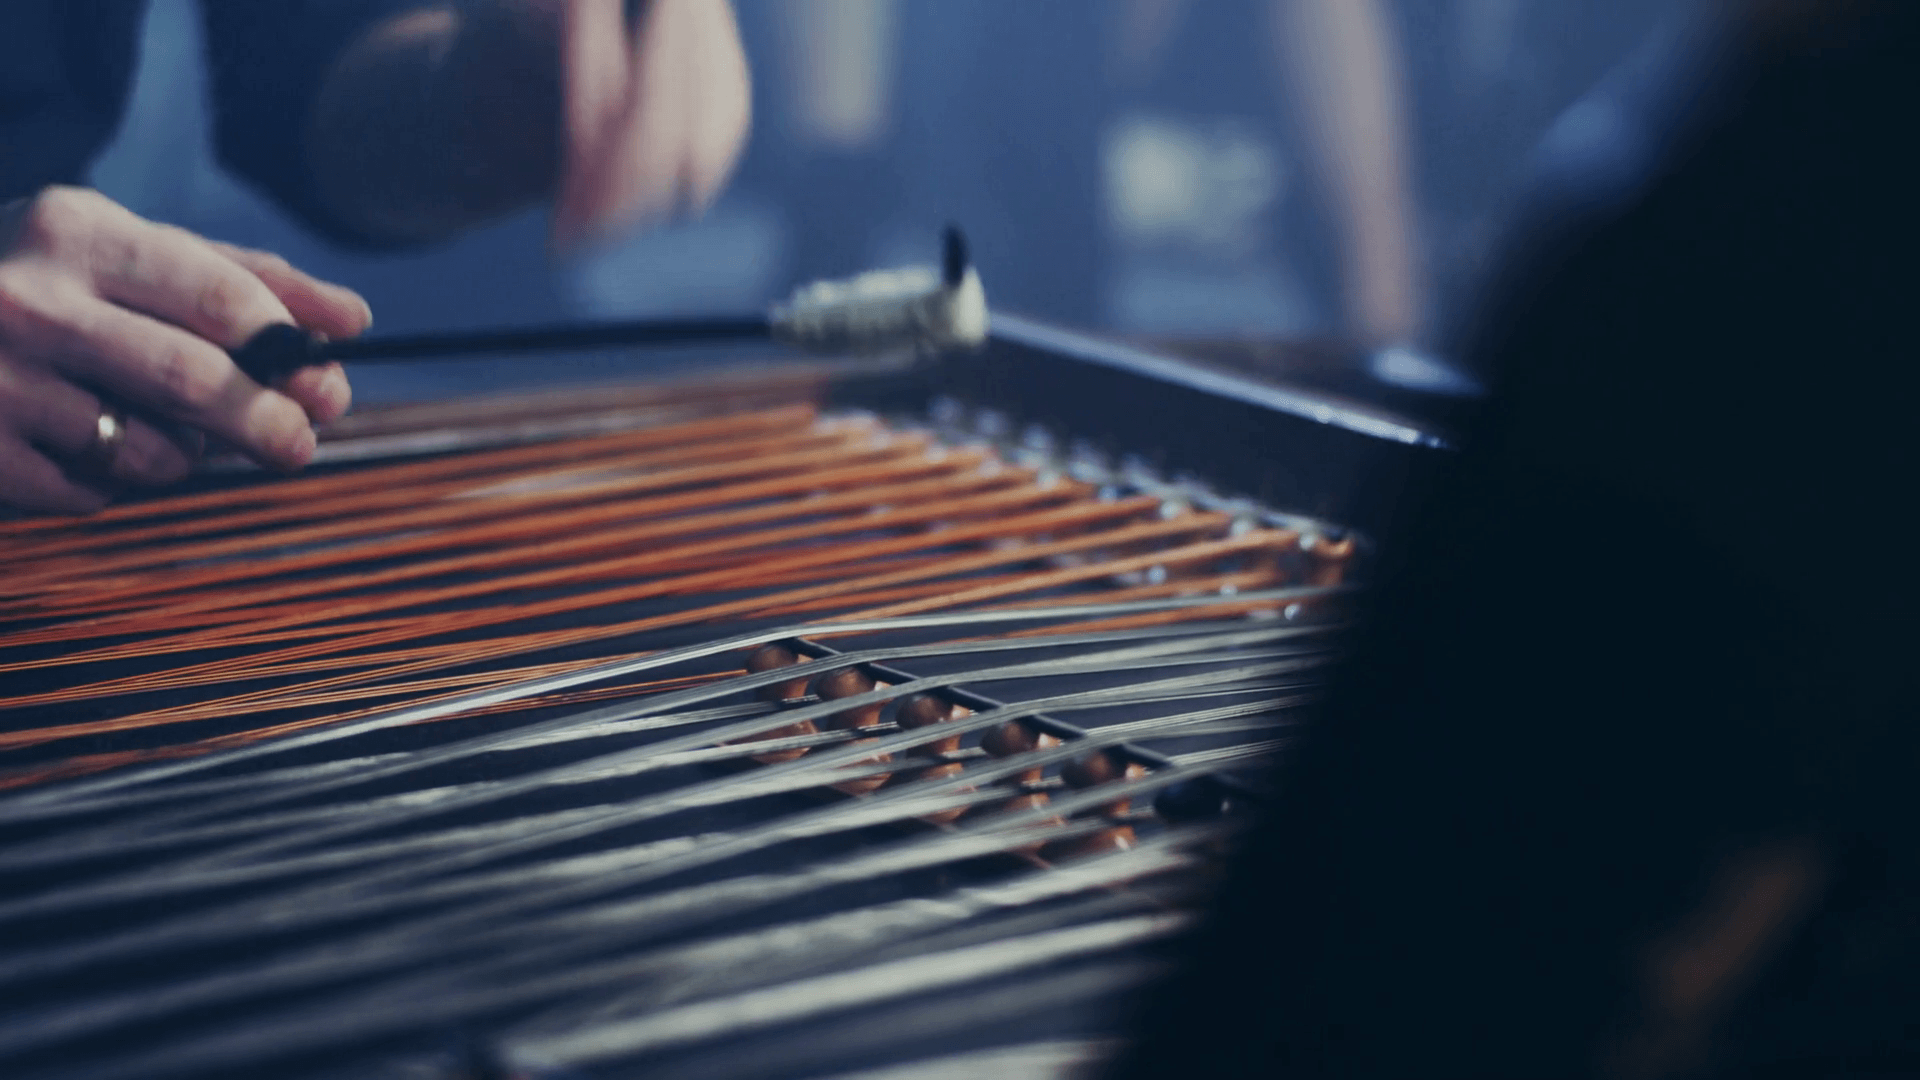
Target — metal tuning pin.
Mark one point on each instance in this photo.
(925, 711)
(769, 658)
(1329, 560)
(846, 683)
(1012, 739)
(1091, 771)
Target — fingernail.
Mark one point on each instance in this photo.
(355, 301)
(304, 445)
(339, 392)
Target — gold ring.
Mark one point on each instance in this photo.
(109, 434)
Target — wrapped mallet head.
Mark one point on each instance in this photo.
(918, 307)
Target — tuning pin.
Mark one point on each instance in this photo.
(1012, 739)
(920, 711)
(1093, 770)
(769, 658)
(846, 683)
(1329, 559)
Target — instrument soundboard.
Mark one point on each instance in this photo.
(785, 719)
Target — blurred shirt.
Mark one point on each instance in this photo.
(1608, 650)
(66, 67)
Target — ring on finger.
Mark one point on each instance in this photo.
(109, 435)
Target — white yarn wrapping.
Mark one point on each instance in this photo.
(885, 311)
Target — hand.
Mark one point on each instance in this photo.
(653, 118)
(444, 117)
(95, 300)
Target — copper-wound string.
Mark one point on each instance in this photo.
(575, 536)
(762, 572)
(403, 583)
(232, 670)
(656, 514)
(386, 512)
(298, 497)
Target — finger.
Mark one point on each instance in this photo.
(175, 276)
(174, 373)
(323, 391)
(30, 481)
(594, 51)
(725, 108)
(333, 310)
(65, 419)
(638, 175)
(595, 73)
(149, 457)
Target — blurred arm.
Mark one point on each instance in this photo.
(268, 64)
(842, 54)
(407, 121)
(1340, 64)
(438, 119)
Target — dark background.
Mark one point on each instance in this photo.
(1002, 117)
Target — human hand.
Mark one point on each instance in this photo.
(653, 117)
(95, 300)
